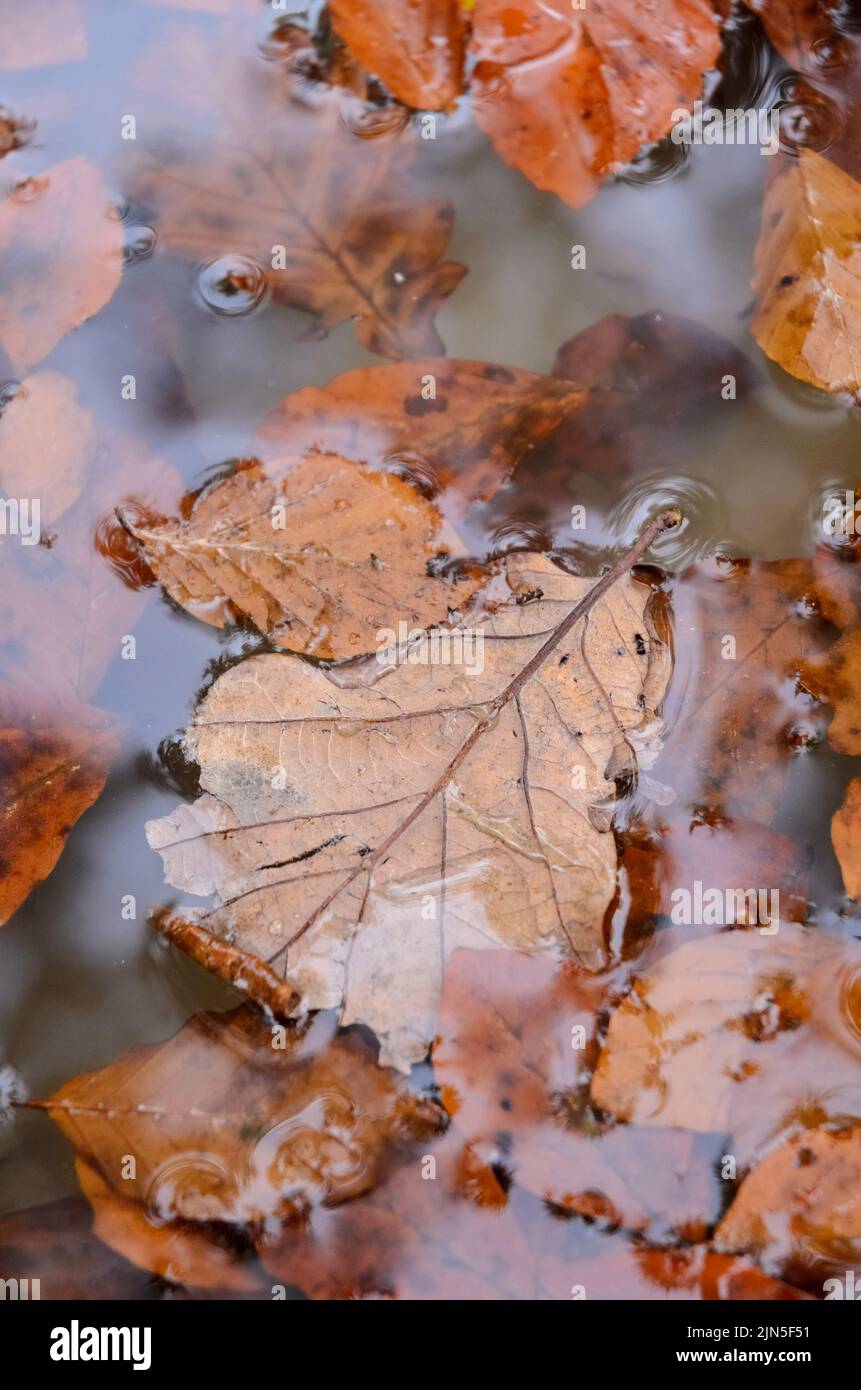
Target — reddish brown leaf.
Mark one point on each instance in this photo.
(416, 49)
(846, 837)
(53, 765)
(569, 96)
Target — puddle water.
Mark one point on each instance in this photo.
(213, 352)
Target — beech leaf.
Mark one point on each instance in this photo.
(417, 49)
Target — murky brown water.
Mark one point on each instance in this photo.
(78, 983)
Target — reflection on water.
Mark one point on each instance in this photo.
(212, 353)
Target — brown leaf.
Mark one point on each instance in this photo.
(834, 677)
(54, 1244)
(47, 443)
(53, 765)
(846, 837)
(740, 1032)
(234, 1131)
(37, 36)
(468, 437)
(355, 835)
(806, 274)
(801, 1204)
(329, 221)
(249, 547)
(60, 258)
(512, 1060)
(570, 96)
(417, 50)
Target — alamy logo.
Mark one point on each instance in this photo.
(710, 126)
(458, 647)
(847, 1287)
(21, 516)
(76, 1343)
(23, 1290)
(726, 907)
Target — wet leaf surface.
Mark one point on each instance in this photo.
(383, 843)
(417, 50)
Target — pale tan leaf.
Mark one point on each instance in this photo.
(356, 835)
(47, 442)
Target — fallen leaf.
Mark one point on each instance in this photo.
(806, 274)
(512, 1060)
(234, 1131)
(248, 547)
(54, 1245)
(47, 441)
(53, 762)
(801, 1203)
(570, 96)
(741, 1032)
(36, 36)
(356, 835)
(417, 50)
(61, 258)
(283, 192)
(846, 837)
(466, 432)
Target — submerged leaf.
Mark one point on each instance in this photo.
(60, 258)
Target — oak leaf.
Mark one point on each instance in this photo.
(740, 1032)
(417, 50)
(355, 835)
(248, 547)
(569, 96)
(53, 765)
(806, 274)
(60, 258)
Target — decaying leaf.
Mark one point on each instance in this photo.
(234, 1131)
(516, 1035)
(742, 1032)
(570, 95)
(417, 49)
(834, 677)
(329, 221)
(355, 836)
(37, 36)
(250, 547)
(60, 258)
(806, 274)
(53, 765)
(846, 837)
(47, 441)
(802, 1202)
